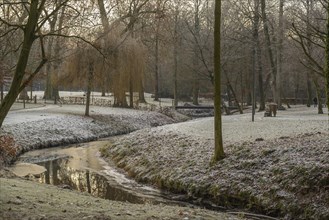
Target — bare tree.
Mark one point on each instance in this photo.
(219, 150)
(269, 47)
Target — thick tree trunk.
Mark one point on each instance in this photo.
(104, 19)
(268, 46)
(49, 85)
(141, 98)
(258, 56)
(196, 87)
(57, 63)
(196, 83)
(106, 27)
(310, 76)
(219, 149)
(279, 55)
(327, 58)
(29, 37)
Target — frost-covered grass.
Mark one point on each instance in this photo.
(285, 173)
(54, 126)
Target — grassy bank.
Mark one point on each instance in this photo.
(285, 177)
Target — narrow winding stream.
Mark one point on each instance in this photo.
(80, 167)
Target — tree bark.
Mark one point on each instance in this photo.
(57, 51)
(258, 57)
(89, 87)
(219, 149)
(196, 83)
(104, 19)
(29, 37)
(318, 95)
(156, 73)
(327, 58)
(279, 55)
(175, 56)
(269, 48)
(1, 91)
(309, 91)
(131, 91)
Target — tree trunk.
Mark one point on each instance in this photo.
(269, 48)
(196, 87)
(104, 19)
(258, 56)
(219, 149)
(309, 91)
(119, 93)
(131, 91)
(2, 91)
(279, 55)
(49, 86)
(141, 98)
(29, 37)
(89, 86)
(196, 83)
(176, 56)
(327, 58)
(156, 73)
(318, 95)
(106, 27)
(310, 76)
(57, 51)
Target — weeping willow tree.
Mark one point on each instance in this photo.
(118, 58)
(130, 63)
(125, 64)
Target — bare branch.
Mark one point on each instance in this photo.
(301, 43)
(41, 64)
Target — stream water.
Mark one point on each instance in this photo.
(80, 167)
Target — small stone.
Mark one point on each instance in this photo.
(17, 202)
(259, 139)
(64, 210)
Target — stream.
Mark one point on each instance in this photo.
(81, 168)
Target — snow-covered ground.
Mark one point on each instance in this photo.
(52, 125)
(240, 128)
(285, 173)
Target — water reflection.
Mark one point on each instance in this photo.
(59, 172)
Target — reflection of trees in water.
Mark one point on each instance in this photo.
(60, 173)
